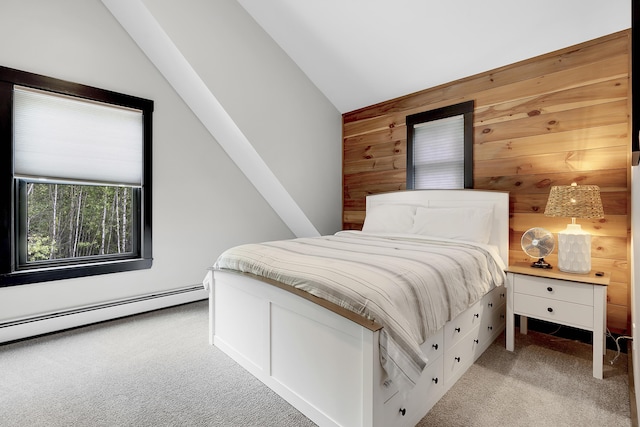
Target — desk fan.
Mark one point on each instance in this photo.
(538, 243)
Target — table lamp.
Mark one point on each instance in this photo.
(574, 244)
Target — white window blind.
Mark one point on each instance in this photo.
(60, 137)
(438, 153)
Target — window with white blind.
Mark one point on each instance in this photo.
(76, 180)
(440, 148)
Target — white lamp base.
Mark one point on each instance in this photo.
(574, 250)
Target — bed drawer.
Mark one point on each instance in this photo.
(457, 328)
(490, 326)
(553, 289)
(428, 389)
(557, 311)
(462, 355)
(495, 299)
(433, 347)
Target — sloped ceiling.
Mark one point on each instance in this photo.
(361, 52)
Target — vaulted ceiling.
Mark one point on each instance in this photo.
(360, 52)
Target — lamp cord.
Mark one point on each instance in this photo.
(616, 340)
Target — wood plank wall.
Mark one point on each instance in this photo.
(551, 120)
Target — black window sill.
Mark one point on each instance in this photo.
(70, 272)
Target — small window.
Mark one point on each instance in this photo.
(78, 193)
(440, 148)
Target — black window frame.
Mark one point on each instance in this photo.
(466, 110)
(11, 273)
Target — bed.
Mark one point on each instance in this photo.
(303, 331)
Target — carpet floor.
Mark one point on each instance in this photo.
(157, 369)
(546, 381)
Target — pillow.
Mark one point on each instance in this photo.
(468, 223)
(389, 219)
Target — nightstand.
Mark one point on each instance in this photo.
(577, 300)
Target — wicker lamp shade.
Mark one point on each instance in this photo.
(575, 201)
(574, 243)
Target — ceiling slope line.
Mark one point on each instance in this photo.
(147, 33)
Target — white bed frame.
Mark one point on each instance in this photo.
(325, 361)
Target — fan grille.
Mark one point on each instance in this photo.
(537, 242)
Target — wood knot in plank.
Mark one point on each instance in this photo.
(544, 183)
(486, 130)
(533, 113)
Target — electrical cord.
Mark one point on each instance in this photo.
(616, 340)
(610, 335)
(556, 331)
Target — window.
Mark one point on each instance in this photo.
(76, 180)
(440, 148)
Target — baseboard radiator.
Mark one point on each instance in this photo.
(43, 324)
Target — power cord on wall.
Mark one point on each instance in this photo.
(616, 340)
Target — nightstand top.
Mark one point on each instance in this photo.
(555, 273)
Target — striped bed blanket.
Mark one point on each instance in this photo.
(411, 285)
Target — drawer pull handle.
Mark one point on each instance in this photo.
(502, 295)
(476, 315)
(457, 359)
(457, 329)
(550, 310)
(476, 341)
(435, 380)
(435, 346)
(490, 328)
(403, 411)
(490, 304)
(550, 289)
(502, 316)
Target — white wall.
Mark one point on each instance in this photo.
(202, 204)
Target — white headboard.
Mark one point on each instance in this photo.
(499, 200)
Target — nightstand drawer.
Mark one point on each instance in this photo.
(561, 290)
(556, 311)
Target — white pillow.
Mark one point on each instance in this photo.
(389, 219)
(470, 223)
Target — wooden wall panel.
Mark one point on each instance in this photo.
(551, 120)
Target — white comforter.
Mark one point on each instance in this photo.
(411, 285)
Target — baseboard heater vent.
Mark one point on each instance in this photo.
(42, 324)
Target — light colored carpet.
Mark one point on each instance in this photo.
(157, 369)
(154, 369)
(546, 381)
